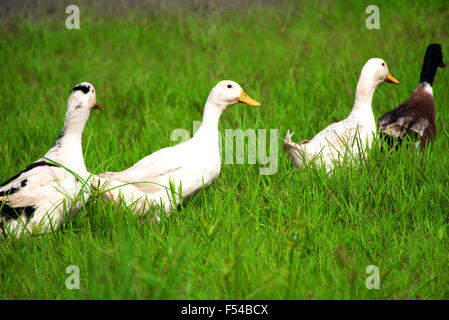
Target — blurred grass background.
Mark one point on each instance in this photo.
(295, 235)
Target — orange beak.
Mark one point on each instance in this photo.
(244, 98)
(390, 79)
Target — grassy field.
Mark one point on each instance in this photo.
(297, 234)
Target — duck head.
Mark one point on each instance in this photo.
(83, 98)
(376, 71)
(81, 101)
(227, 93)
(432, 60)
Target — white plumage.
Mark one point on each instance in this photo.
(350, 137)
(38, 197)
(189, 166)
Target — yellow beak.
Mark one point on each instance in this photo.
(390, 79)
(244, 98)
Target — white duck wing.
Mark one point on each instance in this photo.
(327, 145)
(29, 196)
(154, 170)
(337, 136)
(21, 180)
(332, 131)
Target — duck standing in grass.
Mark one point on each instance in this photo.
(415, 117)
(37, 198)
(350, 136)
(188, 166)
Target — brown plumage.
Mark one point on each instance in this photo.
(415, 117)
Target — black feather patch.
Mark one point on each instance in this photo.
(81, 87)
(8, 192)
(30, 167)
(9, 212)
(11, 191)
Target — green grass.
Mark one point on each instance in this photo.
(298, 234)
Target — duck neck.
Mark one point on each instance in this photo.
(211, 117)
(363, 98)
(68, 149)
(429, 69)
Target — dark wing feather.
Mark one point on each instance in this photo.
(415, 117)
(402, 120)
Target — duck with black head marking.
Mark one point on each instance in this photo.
(35, 198)
(415, 117)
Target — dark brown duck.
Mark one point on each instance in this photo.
(415, 117)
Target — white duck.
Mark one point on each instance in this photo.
(353, 134)
(189, 166)
(37, 198)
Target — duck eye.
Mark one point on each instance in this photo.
(229, 86)
(383, 64)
